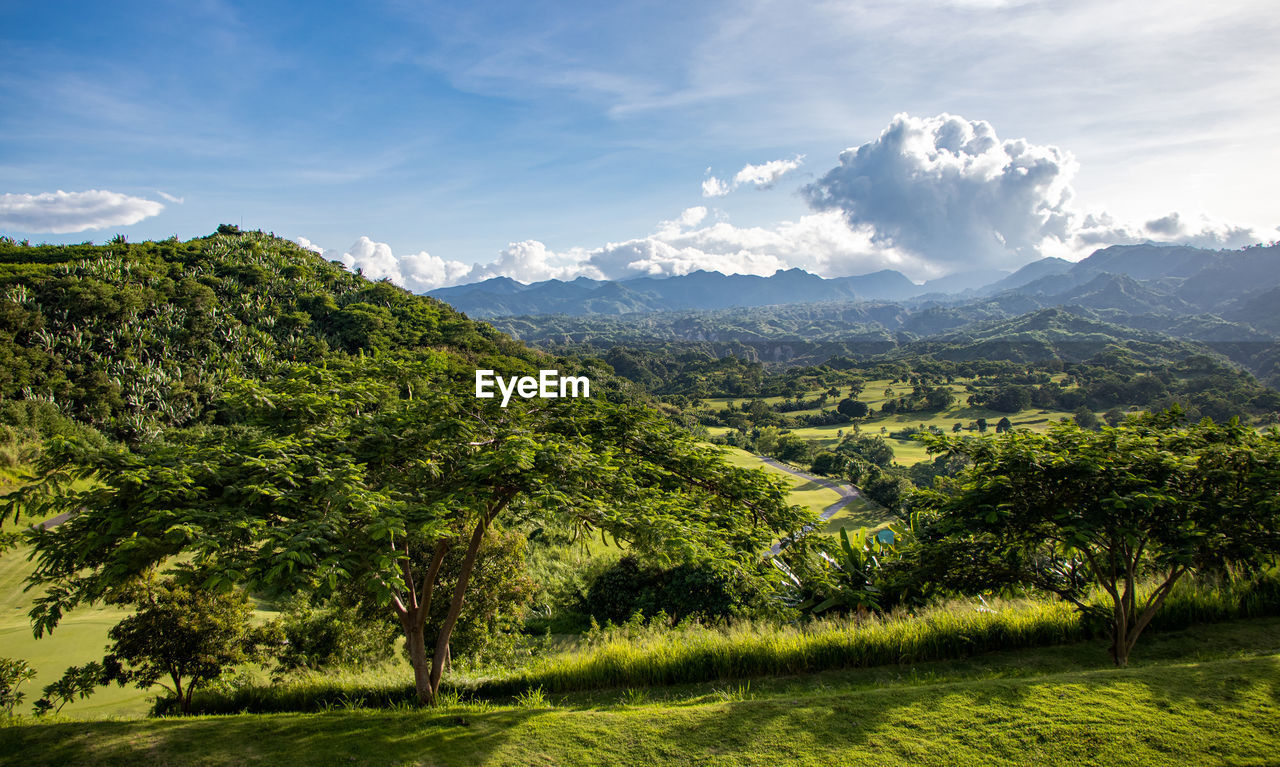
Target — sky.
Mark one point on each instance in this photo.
(443, 143)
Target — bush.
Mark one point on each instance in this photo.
(703, 590)
(332, 634)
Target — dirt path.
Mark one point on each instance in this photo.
(53, 521)
(847, 494)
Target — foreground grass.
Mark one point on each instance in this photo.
(1205, 712)
(664, 660)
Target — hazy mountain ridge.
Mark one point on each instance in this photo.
(1131, 278)
(1199, 301)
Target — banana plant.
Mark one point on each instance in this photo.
(853, 573)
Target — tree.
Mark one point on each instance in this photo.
(14, 672)
(77, 682)
(1074, 508)
(186, 635)
(871, 449)
(853, 408)
(1114, 416)
(939, 398)
(828, 463)
(365, 476)
(1085, 418)
(1003, 425)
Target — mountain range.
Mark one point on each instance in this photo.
(1226, 302)
(1239, 285)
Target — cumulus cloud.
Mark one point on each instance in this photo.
(928, 197)
(949, 190)
(532, 261)
(764, 176)
(761, 176)
(822, 243)
(417, 272)
(714, 187)
(60, 212)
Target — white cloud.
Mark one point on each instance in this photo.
(822, 243)
(928, 197)
(416, 272)
(532, 261)
(171, 198)
(714, 187)
(949, 190)
(765, 175)
(761, 176)
(59, 212)
(309, 245)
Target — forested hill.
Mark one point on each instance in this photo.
(131, 337)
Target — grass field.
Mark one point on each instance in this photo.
(906, 451)
(804, 493)
(1205, 696)
(80, 637)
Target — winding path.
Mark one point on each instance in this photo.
(52, 521)
(847, 494)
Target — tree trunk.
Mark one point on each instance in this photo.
(1120, 635)
(177, 693)
(455, 604)
(415, 641)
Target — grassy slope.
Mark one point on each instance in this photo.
(81, 637)
(804, 493)
(1209, 695)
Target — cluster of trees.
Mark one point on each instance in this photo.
(1126, 511)
(381, 478)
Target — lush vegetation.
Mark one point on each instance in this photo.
(271, 486)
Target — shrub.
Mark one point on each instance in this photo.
(702, 590)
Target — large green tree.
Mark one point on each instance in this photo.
(1129, 509)
(365, 477)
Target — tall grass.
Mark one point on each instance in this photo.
(639, 656)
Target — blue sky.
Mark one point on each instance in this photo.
(535, 139)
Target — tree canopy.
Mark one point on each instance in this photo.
(365, 476)
(1129, 509)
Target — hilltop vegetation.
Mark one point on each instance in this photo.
(235, 414)
(132, 337)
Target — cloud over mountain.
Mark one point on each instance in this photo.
(418, 272)
(950, 191)
(928, 197)
(59, 212)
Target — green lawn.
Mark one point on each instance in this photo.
(804, 493)
(906, 452)
(81, 637)
(1205, 696)
(860, 512)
